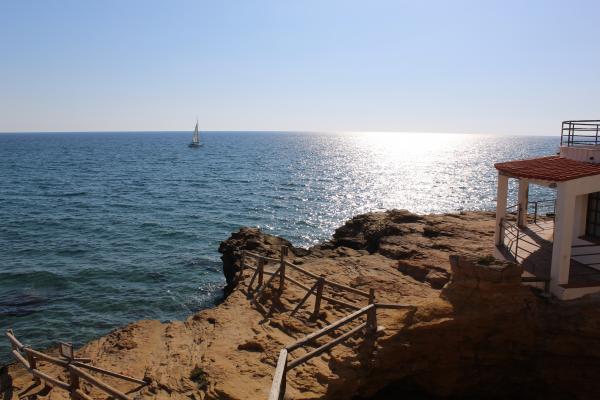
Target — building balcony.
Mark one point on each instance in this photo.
(531, 247)
(580, 133)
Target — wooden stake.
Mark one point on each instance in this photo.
(262, 289)
(372, 314)
(320, 284)
(32, 364)
(283, 254)
(242, 265)
(261, 264)
(74, 380)
(312, 289)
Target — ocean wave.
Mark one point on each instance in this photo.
(32, 278)
(70, 252)
(17, 303)
(67, 194)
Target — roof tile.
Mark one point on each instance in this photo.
(552, 168)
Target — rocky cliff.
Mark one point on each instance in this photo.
(474, 332)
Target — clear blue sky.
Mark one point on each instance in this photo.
(444, 66)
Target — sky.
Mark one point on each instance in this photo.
(506, 67)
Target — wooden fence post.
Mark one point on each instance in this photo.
(319, 295)
(32, 365)
(73, 383)
(261, 263)
(242, 264)
(306, 296)
(283, 386)
(283, 254)
(372, 314)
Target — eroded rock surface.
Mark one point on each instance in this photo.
(474, 329)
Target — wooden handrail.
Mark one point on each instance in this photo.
(328, 282)
(72, 366)
(370, 326)
(299, 284)
(326, 346)
(279, 378)
(13, 340)
(98, 383)
(49, 379)
(340, 302)
(257, 256)
(264, 271)
(348, 288)
(21, 359)
(325, 330)
(45, 357)
(299, 269)
(262, 289)
(110, 373)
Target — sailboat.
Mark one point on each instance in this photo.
(195, 138)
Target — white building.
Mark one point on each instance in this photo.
(562, 248)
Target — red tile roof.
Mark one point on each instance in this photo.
(553, 168)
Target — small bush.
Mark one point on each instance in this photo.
(199, 376)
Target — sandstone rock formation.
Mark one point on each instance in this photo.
(475, 331)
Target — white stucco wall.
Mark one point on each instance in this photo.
(580, 215)
(589, 154)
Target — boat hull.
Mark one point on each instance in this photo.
(194, 145)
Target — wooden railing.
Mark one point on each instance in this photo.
(257, 286)
(74, 366)
(282, 272)
(284, 364)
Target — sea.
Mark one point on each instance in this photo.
(98, 230)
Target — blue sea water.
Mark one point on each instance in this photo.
(101, 229)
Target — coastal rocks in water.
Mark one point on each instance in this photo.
(252, 239)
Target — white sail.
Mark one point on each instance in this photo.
(196, 137)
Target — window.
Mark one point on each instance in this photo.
(592, 228)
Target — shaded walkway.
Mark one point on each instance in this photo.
(532, 248)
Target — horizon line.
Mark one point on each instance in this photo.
(282, 132)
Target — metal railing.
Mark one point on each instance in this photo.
(580, 133)
(545, 208)
(513, 234)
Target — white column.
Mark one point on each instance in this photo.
(501, 199)
(523, 200)
(563, 234)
